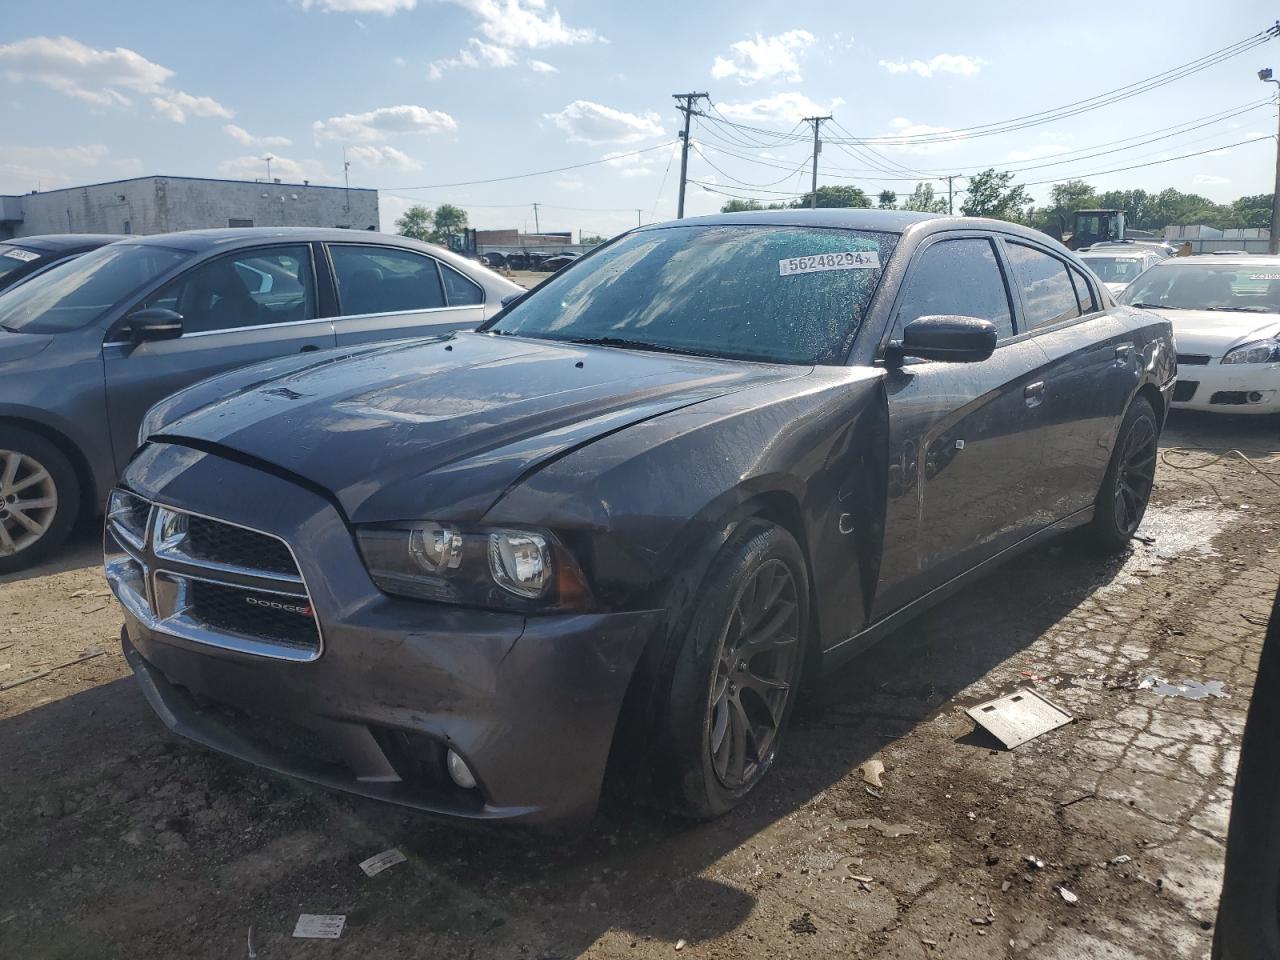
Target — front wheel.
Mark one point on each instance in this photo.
(1126, 488)
(736, 672)
(39, 498)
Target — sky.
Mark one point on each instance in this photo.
(426, 94)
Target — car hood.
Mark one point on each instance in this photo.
(443, 428)
(1214, 332)
(21, 346)
(1115, 286)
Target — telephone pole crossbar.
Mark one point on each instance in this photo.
(685, 104)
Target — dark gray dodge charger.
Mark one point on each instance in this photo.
(628, 515)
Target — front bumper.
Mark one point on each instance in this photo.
(530, 704)
(1235, 388)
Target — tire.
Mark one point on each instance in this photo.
(724, 715)
(1126, 487)
(31, 464)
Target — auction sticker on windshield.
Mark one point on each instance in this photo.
(26, 256)
(854, 260)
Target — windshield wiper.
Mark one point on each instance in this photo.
(1156, 306)
(631, 345)
(1247, 309)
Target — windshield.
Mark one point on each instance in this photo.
(74, 293)
(1114, 269)
(1204, 286)
(776, 294)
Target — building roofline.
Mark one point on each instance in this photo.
(165, 176)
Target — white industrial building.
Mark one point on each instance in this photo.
(162, 204)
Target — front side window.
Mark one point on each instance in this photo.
(957, 277)
(1048, 296)
(249, 289)
(74, 293)
(385, 280)
(778, 294)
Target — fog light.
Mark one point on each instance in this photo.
(459, 772)
(1255, 396)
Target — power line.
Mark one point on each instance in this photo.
(1153, 163)
(536, 173)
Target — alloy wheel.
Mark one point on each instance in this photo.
(28, 501)
(752, 683)
(1136, 475)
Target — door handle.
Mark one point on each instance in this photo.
(309, 348)
(1033, 394)
(1123, 351)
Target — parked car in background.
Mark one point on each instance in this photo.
(1160, 248)
(621, 517)
(1117, 268)
(27, 257)
(1225, 311)
(89, 345)
(558, 262)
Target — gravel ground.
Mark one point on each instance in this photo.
(121, 841)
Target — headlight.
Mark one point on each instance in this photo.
(485, 567)
(1262, 351)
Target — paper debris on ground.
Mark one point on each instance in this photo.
(887, 829)
(1067, 895)
(1019, 716)
(379, 862)
(320, 926)
(871, 771)
(1188, 689)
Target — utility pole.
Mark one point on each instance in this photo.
(346, 178)
(268, 158)
(686, 105)
(1273, 246)
(536, 228)
(817, 149)
(951, 196)
(638, 218)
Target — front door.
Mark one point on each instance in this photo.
(387, 293)
(964, 440)
(236, 309)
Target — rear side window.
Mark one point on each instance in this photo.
(385, 280)
(461, 291)
(1084, 293)
(959, 277)
(1048, 296)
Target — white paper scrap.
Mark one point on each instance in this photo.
(319, 926)
(379, 862)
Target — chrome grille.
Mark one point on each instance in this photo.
(209, 581)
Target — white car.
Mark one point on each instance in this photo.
(1117, 267)
(1225, 312)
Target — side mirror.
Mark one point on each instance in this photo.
(511, 298)
(155, 323)
(947, 338)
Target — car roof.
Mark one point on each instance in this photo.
(1115, 253)
(55, 242)
(1238, 259)
(200, 240)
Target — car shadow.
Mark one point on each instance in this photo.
(82, 549)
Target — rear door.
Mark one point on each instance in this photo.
(236, 309)
(1093, 369)
(964, 441)
(388, 293)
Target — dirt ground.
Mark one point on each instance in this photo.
(118, 840)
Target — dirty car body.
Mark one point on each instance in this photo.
(741, 371)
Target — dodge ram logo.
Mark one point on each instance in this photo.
(300, 610)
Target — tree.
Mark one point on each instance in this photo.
(741, 206)
(1064, 200)
(922, 200)
(835, 196)
(992, 194)
(1253, 211)
(417, 223)
(888, 200)
(591, 239)
(449, 221)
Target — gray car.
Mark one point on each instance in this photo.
(89, 345)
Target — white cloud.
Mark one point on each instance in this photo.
(386, 7)
(588, 122)
(241, 135)
(1209, 179)
(956, 63)
(526, 23)
(763, 58)
(177, 106)
(23, 168)
(104, 78)
(475, 54)
(397, 61)
(1037, 153)
(780, 108)
(383, 122)
(541, 66)
(290, 171)
(643, 165)
(383, 156)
